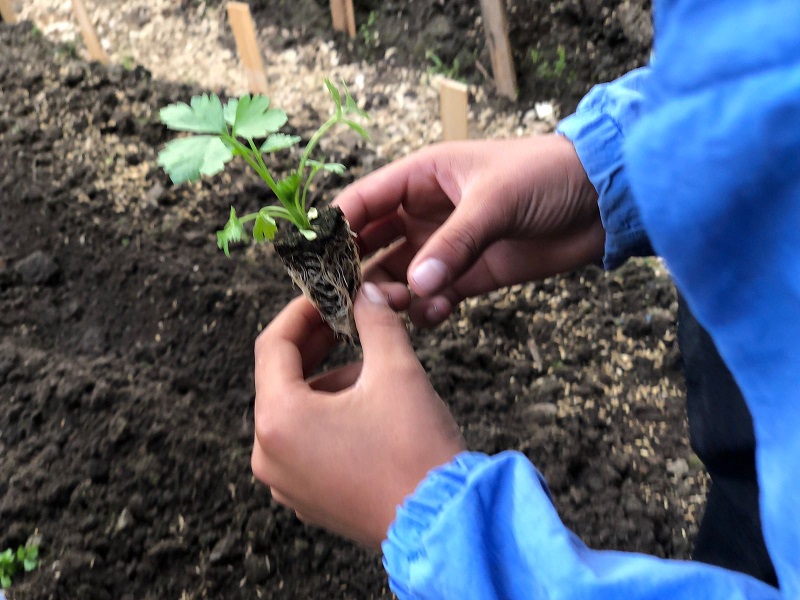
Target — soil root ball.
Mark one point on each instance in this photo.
(326, 269)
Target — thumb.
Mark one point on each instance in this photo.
(456, 245)
(380, 329)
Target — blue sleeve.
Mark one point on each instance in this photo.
(598, 130)
(484, 527)
(714, 164)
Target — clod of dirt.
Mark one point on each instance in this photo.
(37, 268)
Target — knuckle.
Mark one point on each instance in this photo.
(465, 241)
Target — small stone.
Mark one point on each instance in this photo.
(544, 110)
(37, 268)
(679, 468)
(124, 520)
(542, 413)
(258, 568)
(224, 549)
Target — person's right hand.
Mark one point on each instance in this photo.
(472, 217)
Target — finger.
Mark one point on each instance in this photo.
(382, 332)
(458, 243)
(382, 192)
(397, 294)
(336, 380)
(380, 234)
(430, 312)
(291, 346)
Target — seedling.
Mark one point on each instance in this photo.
(317, 247)
(25, 558)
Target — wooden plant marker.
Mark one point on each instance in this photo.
(90, 38)
(453, 104)
(343, 16)
(244, 30)
(7, 12)
(495, 23)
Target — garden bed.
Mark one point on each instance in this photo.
(126, 343)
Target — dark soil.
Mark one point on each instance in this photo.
(560, 49)
(126, 368)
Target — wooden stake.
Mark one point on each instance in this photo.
(7, 12)
(453, 105)
(90, 38)
(495, 23)
(343, 16)
(244, 30)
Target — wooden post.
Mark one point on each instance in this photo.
(7, 12)
(96, 51)
(343, 16)
(244, 31)
(453, 104)
(495, 23)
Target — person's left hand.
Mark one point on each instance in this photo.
(345, 448)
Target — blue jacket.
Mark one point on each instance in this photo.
(701, 151)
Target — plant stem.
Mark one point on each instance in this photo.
(310, 146)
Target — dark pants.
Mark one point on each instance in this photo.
(721, 431)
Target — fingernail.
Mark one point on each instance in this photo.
(373, 294)
(437, 312)
(429, 276)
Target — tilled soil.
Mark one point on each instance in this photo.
(126, 366)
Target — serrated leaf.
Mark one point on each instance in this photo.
(358, 129)
(334, 92)
(254, 118)
(337, 168)
(232, 232)
(279, 141)
(205, 115)
(264, 228)
(350, 106)
(288, 187)
(186, 159)
(229, 112)
(309, 234)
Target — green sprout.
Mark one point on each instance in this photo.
(25, 558)
(231, 130)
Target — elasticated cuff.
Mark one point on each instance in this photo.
(598, 142)
(404, 543)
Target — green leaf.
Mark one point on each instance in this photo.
(254, 119)
(29, 564)
(186, 159)
(337, 168)
(229, 112)
(358, 129)
(5, 581)
(279, 141)
(205, 115)
(309, 234)
(350, 106)
(288, 187)
(334, 92)
(264, 228)
(232, 232)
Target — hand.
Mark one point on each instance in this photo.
(345, 448)
(471, 217)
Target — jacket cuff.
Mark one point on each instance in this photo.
(598, 141)
(404, 551)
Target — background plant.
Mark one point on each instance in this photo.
(25, 559)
